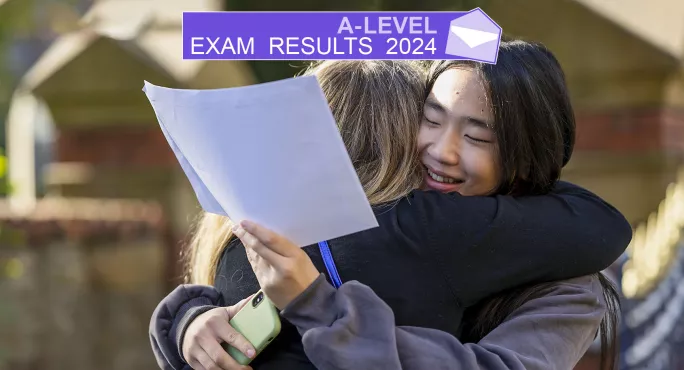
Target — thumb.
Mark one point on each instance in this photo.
(231, 311)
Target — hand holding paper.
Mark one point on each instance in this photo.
(270, 153)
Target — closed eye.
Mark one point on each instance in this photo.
(477, 140)
(430, 121)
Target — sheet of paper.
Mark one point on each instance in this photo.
(270, 153)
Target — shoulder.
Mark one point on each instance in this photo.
(232, 248)
(234, 277)
(578, 296)
(588, 285)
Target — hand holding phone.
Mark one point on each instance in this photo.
(201, 347)
(259, 322)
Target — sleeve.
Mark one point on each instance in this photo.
(351, 328)
(485, 245)
(172, 317)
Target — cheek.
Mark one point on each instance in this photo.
(482, 168)
(424, 137)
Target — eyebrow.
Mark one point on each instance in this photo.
(478, 122)
(430, 102)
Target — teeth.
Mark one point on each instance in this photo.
(436, 177)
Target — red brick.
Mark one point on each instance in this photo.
(650, 129)
(144, 146)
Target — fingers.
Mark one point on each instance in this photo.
(231, 336)
(202, 361)
(251, 242)
(255, 260)
(218, 355)
(195, 363)
(270, 239)
(222, 330)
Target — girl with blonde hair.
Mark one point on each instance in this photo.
(380, 143)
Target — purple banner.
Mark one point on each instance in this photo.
(340, 35)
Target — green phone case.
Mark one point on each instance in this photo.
(259, 324)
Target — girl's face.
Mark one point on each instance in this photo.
(456, 141)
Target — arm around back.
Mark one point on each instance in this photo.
(485, 245)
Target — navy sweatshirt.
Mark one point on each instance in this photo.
(436, 254)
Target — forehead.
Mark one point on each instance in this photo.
(459, 89)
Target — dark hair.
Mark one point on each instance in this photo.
(533, 118)
(534, 125)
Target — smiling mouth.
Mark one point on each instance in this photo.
(443, 179)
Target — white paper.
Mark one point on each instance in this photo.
(270, 153)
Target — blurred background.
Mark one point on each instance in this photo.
(94, 208)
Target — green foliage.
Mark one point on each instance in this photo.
(4, 181)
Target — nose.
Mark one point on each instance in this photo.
(446, 149)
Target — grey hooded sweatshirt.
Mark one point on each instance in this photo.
(352, 328)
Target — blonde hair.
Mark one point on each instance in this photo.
(377, 106)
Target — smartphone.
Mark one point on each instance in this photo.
(259, 322)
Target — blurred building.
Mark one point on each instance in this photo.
(100, 205)
(623, 62)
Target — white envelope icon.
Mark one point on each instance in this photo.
(474, 36)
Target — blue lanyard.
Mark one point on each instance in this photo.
(330, 264)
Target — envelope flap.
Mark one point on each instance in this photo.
(477, 20)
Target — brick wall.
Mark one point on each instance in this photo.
(631, 130)
(116, 145)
